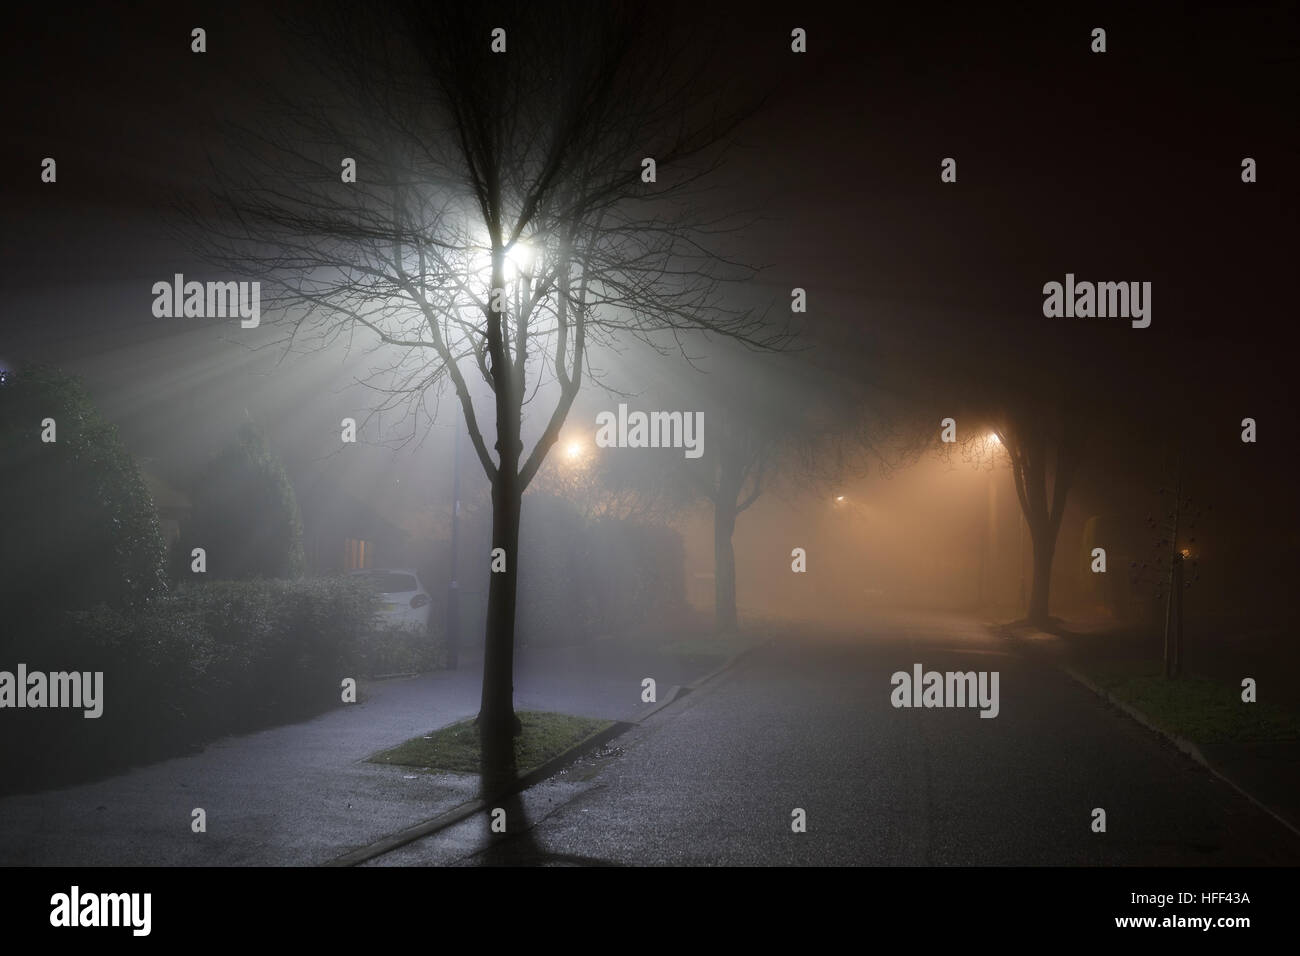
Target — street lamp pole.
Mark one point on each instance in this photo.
(1020, 555)
(990, 567)
(453, 586)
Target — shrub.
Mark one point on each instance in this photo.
(278, 647)
(398, 649)
(553, 574)
(245, 514)
(153, 658)
(79, 524)
(202, 661)
(637, 573)
(581, 577)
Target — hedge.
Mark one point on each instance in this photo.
(204, 661)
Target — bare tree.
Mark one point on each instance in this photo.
(778, 424)
(1043, 436)
(1013, 376)
(1175, 566)
(1046, 446)
(742, 456)
(500, 225)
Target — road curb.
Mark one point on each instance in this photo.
(675, 693)
(1181, 743)
(678, 691)
(548, 769)
(729, 663)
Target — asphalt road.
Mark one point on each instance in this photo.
(808, 723)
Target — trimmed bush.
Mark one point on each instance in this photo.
(637, 573)
(279, 648)
(399, 649)
(553, 574)
(206, 660)
(579, 578)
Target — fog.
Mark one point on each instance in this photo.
(686, 384)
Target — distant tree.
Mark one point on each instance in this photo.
(1022, 380)
(79, 526)
(770, 422)
(1045, 438)
(245, 514)
(1174, 567)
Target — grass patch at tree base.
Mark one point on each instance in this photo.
(1200, 709)
(455, 748)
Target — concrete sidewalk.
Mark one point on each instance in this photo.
(303, 793)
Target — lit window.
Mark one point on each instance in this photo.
(360, 554)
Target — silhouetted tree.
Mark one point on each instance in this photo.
(1034, 394)
(1174, 567)
(499, 225)
(770, 422)
(1045, 441)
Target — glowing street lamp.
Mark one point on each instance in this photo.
(574, 451)
(520, 256)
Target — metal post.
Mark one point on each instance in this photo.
(1020, 554)
(453, 585)
(1178, 615)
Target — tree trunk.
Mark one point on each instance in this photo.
(497, 722)
(1174, 618)
(724, 568)
(1173, 605)
(1044, 551)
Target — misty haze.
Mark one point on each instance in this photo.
(569, 434)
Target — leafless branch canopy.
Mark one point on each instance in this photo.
(498, 228)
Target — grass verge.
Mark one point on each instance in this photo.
(455, 748)
(1200, 709)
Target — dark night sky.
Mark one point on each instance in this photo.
(1122, 166)
(1110, 165)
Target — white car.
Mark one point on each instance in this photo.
(403, 599)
